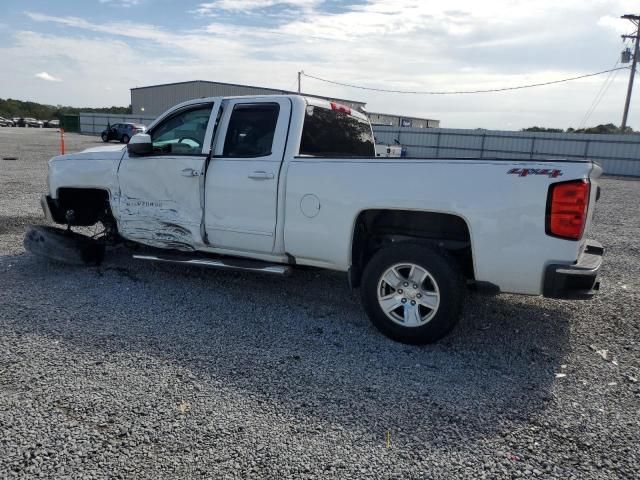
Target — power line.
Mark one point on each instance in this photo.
(293, 85)
(600, 95)
(463, 92)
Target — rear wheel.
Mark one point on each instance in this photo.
(63, 246)
(412, 293)
(105, 137)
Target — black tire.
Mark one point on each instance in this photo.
(125, 138)
(441, 268)
(62, 246)
(105, 137)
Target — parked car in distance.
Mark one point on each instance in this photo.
(52, 124)
(6, 122)
(122, 131)
(30, 122)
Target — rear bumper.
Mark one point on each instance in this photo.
(578, 281)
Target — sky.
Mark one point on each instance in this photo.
(91, 52)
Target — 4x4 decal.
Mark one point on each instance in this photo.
(523, 172)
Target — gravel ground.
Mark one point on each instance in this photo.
(134, 370)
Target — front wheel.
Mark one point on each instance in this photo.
(125, 139)
(412, 293)
(105, 137)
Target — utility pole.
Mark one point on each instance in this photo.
(635, 19)
(299, 81)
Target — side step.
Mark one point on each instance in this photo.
(238, 264)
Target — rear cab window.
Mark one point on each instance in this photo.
(334, 130)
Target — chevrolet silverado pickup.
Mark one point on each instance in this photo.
(268, 183)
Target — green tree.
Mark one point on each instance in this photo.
(603, 128)
(11, 108)
(542, 129)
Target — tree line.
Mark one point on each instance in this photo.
(602, 128)
(11, 108)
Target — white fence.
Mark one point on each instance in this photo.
(617, 154)
(95, 123)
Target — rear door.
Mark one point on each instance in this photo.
(161, 194)
(113, 132)
(242, 178)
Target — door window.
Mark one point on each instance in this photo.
(182, 133)
(251, 130)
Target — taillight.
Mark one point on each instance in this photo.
(567, 206)
(340, 108)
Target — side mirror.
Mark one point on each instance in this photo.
(140, 144)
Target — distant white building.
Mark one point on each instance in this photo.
(392, 120)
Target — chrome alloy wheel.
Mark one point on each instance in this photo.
(408, 294)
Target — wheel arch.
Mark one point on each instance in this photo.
(90, 205)
(376, 228)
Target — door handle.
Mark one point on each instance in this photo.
(190, 172)
(261, 175)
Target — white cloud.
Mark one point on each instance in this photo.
(615, 23)
(397, 44)
(210, 9)
(122, 3)
(47, 77)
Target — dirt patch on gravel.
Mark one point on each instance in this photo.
(18, 223)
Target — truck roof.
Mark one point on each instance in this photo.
(314, 101)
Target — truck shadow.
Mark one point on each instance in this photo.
(305, 344)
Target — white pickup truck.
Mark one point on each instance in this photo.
(266, 183)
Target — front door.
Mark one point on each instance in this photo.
(160, 194)
(241, 194)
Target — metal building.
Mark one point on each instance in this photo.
(155, 99)
(390, 120)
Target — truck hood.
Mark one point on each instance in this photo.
(110, 152)
(107, 148)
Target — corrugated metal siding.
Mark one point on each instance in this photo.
(617, 154)
(390, 120)
(97, 122)
(159, 98)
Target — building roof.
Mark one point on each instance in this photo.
(275, 90)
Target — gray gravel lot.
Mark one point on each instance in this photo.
(134, 370)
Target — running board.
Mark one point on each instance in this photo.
(222, 264)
